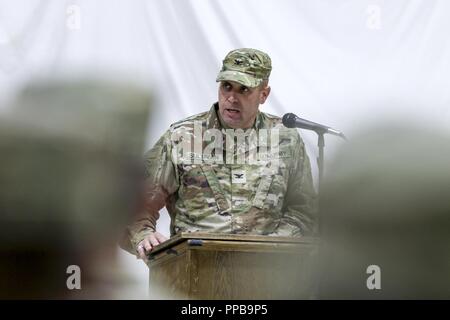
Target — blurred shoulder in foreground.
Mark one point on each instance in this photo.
(71, 174)
(385, 216)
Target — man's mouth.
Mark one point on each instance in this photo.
(232, 110)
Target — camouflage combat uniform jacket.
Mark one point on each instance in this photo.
(259, 198)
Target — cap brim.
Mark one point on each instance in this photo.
(239, 77)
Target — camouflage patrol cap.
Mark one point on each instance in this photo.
(249, 67)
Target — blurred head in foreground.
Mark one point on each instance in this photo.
(385, 214)
(69, 178)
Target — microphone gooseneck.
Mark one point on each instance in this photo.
(290, 120)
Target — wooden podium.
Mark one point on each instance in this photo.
(228, 266)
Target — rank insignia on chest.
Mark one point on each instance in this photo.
(238, 176)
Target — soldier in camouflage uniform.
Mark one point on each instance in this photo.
(225, 189)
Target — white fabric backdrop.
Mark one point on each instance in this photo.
(343, 63)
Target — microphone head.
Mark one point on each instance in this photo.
(289, 120)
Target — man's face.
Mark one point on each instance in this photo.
(238, 104)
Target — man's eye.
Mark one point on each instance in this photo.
(227, 86)
(244, 90)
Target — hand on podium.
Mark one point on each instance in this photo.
(150, 241)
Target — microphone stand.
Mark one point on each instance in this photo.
(320, 164)
(320, 158)
(321, 145)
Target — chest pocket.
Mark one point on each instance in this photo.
(194, 187)
(201, 189)
(273, 185)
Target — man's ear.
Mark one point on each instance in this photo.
(264, 94)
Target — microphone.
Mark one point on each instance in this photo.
(290, 120)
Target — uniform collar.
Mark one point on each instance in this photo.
(214, 120)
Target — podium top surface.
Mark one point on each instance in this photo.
(183, 236)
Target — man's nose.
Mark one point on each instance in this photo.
(232, 98)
